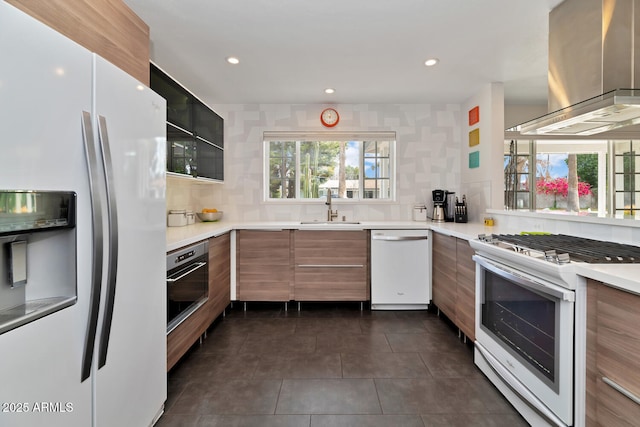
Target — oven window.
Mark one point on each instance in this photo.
(184, 293)
(524, 321)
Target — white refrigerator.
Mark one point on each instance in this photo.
(71, 121)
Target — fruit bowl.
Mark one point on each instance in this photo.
(209, 216)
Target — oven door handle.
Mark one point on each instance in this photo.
(526, 281)
(518, 388)
(197, 266)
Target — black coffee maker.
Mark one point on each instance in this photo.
(439, 205)
(444, 203)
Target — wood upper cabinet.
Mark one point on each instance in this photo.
(443, 274)
(219, 274)
(331, 265)
(617, 365)
(454, 281)
(263, 261)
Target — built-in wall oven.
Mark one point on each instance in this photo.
(187, 282)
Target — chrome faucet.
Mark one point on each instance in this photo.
(330, 214)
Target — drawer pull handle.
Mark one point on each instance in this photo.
(622, 390)
(330, 265)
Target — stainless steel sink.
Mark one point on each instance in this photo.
(329, 222)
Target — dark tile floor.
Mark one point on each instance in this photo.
(332, 365)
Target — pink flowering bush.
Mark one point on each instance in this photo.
(560, 186)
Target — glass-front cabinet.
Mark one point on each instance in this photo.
(195, 133)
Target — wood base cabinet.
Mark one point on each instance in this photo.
(264, 271)
(453, 281)
(331, 265)
(466, 288)
(443, 274)
(219, 275)
(613, 365)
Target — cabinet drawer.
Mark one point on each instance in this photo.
(330, 247)
(331, 284)
(254, 289)
(615, 409)
(331, 265)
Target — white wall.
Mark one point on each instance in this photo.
(483, 185)
(428, 157)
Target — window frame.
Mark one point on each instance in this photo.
(541, 144)
(299, 137)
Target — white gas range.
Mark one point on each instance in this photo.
(530, 307)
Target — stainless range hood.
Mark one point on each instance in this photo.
(612, 110)
(593, 50)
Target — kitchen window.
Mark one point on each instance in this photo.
(352, 166)
(536, 176)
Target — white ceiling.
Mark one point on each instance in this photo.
(370, 51)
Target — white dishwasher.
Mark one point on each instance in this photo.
(400, 269)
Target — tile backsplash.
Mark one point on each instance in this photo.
(428, 152)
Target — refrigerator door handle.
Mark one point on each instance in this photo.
(97, 240)
(112, 219)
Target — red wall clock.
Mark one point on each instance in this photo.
(329, 117)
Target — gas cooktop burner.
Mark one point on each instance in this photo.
(562, 249)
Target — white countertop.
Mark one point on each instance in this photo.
(622, 276)
(178, 237)
(467, 231)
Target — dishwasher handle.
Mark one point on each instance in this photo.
(399, 238)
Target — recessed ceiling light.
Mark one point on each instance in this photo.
(329, 90)
(233, 60)
(431, 62)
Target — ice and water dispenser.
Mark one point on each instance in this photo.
(38, 245)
